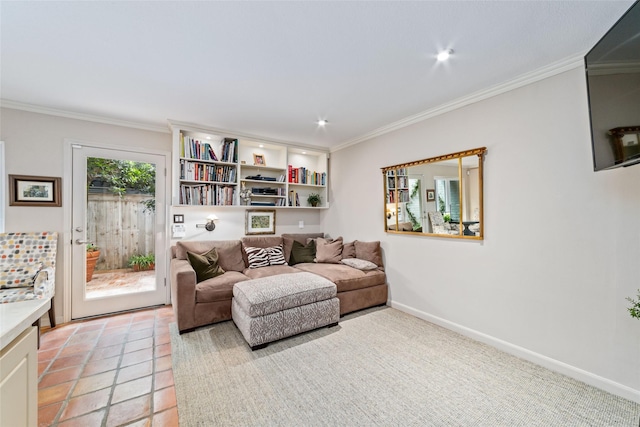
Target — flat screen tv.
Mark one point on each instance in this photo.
(613, 85)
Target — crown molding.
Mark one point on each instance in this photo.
(523, 80)
(4, 103)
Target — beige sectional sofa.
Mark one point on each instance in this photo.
(209, 301)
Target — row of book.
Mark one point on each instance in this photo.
(206, 172)
(302, 175)
(403, 196)
(294, 199)
(192, 148)
(401, 172)
(207, 194)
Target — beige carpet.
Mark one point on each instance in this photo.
(378, 367)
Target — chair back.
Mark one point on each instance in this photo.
(29, 247)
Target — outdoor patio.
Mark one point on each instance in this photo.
(117, 282)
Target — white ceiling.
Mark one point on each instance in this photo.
(274, 68)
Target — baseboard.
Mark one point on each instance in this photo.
(539, 359)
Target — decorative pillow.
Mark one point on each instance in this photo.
(369, 251)
(302, 253)
(349, 250)
(276, 255)
(18, 274)
(329, 252)
(360, 264)
(205, 265)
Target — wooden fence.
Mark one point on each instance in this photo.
(120, 227)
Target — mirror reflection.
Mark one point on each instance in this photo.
(440, 196)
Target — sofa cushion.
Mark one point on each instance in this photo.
(18, 274)
(205, 265)
(272, 270)
(229, 252)
(302, 252)
(369, 251)
(349, 250)
(360, 264)
(329, 252)
(346, 278)
(264, 257)
(219, 288)
(289, 238)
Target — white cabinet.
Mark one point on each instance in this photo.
(245, 171)
(19, 380)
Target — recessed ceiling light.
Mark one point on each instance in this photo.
(322, 122)
(261, 145)
(444, 55)
(208, 137)
(304, 152)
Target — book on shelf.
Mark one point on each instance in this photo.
(229, 150)
(303, 175)
(192, 148)
(207, 194)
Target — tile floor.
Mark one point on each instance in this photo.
(108, 371)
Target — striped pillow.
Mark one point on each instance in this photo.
(264, 257)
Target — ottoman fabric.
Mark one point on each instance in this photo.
(267, 295)
(272, 327)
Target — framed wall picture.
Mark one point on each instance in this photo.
(259, 221)
(25, 190)
(178, 218)
(258, 160)
(431, 195)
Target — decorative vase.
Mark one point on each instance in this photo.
(92, 259)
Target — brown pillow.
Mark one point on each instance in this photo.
(205, 265)
(329, 252)
(349, 250)
(229, 252)
(369, 251)
(302, 253)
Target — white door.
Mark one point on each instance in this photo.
(115, 195)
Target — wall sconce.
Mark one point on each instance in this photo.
(210, 225)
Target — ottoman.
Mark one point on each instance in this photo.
(270, 308)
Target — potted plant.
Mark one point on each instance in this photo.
(314, 199)
(93, 253)
(634, 310)
(142, 262)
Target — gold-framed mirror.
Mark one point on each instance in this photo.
(440, 196)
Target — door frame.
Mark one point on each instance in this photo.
(67, 234)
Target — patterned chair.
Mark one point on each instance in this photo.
(27, 267)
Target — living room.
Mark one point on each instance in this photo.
(547, 283)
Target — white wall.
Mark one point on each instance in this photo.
(561, 244)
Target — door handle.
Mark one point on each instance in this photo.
(81, 242)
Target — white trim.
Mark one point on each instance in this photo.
(523, 80)
(537, 358)
(4, 103)
(3, 188)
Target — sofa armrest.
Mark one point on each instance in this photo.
(44, 284)
(183, 293)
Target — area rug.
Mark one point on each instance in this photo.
(378, 367)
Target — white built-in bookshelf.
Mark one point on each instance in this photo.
(213, 168)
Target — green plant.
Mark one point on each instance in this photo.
(313, 199)
(91, 247)
(142, 261)
(446, 217)
(634, 310)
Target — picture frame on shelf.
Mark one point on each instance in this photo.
(29, 190)
(178, 218)
(431, 195)
(260, 221)
(258, 160)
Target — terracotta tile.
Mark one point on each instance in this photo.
(115, 330)
(67, 362)
(109, 340)
(168, 418)
(86, 403)
(47, 414)
(163, 363)
(163, 379)
(44, 355)
(92, 419)
(57, 393)
(121, 320)
(136, 357)
(101, 365)
(70, 350)
(135, 371)
(138, 345)
(106, 352)
(94, 382)
(83, 336)
(42, 366)
(130, 410)
(161, 330)
(138, 335)
(146, 324)
(59, 377)
(131, 389)
(146, 422)
(62, 332)
(164, 399)
(52, 343)
(162, 350)
(163, 339)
